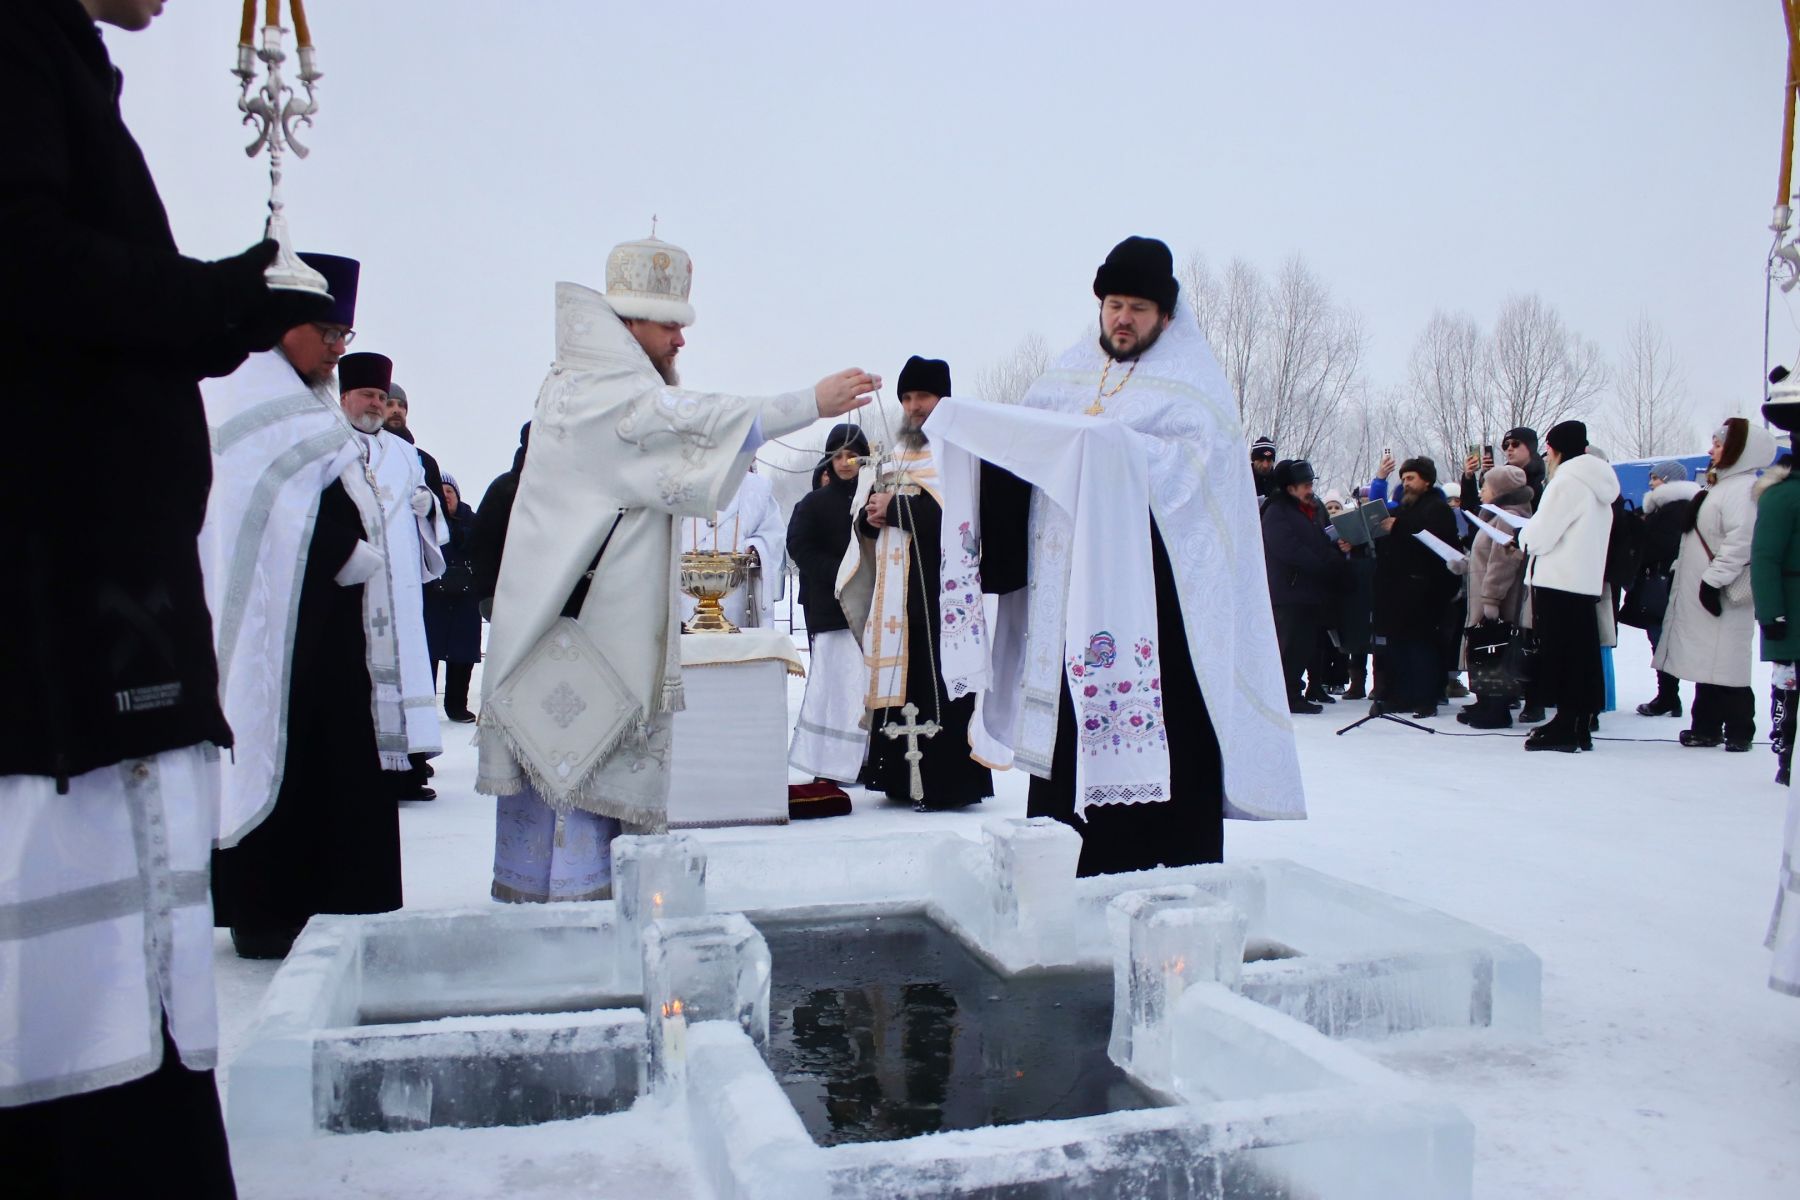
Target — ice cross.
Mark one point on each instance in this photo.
(912, 731)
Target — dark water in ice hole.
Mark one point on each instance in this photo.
(886, 1028)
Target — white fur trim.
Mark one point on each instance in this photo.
(638, 307)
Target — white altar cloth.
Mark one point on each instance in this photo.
(730, 765)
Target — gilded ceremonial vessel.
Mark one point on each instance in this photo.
(708, 576)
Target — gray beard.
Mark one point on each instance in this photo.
(368, 425)
(913, 436)
(667, 370)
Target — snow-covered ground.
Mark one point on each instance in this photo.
(1642, 874)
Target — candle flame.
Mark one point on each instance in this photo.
(675, 1005)
(656, 899)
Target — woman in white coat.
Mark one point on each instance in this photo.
(1567, 542)
(1706, 634)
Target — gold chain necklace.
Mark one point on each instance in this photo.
(1100, 393)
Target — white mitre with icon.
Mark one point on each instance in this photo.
(649, 280)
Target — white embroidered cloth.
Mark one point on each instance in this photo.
(1098, 471)
(1204, 502)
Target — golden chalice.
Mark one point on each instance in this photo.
(708, 576)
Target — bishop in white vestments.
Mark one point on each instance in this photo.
(583, 671)
(1137, 677)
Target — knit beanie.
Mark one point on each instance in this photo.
(1669, 471)
(1568, 438)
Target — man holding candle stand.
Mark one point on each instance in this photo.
(109, 800)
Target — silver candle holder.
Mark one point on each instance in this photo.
(275, 111)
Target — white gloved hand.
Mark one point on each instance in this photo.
(421, 501)
(360, 567)
(1490, 612)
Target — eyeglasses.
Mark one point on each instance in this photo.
(1510, 445)
(334, 335)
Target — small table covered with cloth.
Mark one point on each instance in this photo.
(730, 758)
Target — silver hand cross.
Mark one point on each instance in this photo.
(912, 731)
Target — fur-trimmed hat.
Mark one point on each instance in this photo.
(649, 280)
(924, 375)
(1783, 409)
(1139, 266)
(364, 370)
(1421, 466)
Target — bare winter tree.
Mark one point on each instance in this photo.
(1447, 387)
(1312, 352)
(1006, 381)
(1233, 314)
(1649, 413)
(1367, 424)
(1541, 371)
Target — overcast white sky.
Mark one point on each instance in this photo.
(859, 183)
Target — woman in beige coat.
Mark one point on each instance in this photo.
(1496, 584)
(1706, 633)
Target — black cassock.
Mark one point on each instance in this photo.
(950, 777)
(1190, 826)
(332, 843)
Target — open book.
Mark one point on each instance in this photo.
(1361, 525)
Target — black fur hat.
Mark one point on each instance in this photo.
(1139, 266)
(924, 375)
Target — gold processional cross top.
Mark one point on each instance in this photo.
(912, 731)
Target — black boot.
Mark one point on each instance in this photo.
(1559, 733)
(1531, 714)
(1668, 698)
(1488, 712)
(1359, 680)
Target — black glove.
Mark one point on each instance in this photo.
(1776, 630)
(261, 313)
(1709, 600)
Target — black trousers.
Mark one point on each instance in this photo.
(1729, 712)
(1297, 634)
(456, 684)
(1570, 675)
(160, 1135)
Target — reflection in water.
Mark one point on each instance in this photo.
(886, 1028)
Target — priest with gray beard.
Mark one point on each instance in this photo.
(583, 674)
(1132, 670)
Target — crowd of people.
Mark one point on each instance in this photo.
(1522, 579)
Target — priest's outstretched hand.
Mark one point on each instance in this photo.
(838, 394)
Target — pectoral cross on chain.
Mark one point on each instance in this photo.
(912, 731)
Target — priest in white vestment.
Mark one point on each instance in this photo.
(750, 523)
(1137, 677)
(583, 673)
(313, 671)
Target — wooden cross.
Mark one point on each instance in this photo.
(912, 731)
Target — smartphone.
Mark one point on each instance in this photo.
(1487, 452)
